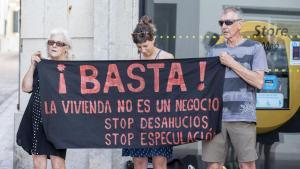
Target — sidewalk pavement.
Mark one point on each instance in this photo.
(7, 110)
(8, 106)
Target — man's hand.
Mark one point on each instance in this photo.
(36, 58)
(254, 78)
(226, 59)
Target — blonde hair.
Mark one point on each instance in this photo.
(66, 37)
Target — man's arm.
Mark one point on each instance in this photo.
(254, 78)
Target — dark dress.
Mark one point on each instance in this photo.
(31, 136)
(165, 151)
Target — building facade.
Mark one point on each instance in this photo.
(101, 30)
(9, 25)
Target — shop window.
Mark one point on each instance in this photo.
(276, 36)
(15, 21)
(165, 27)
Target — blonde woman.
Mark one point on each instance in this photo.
(31, 135)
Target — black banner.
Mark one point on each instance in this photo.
(113, 104)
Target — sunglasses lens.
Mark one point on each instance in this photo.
(221, 23)
(50, 42)
(59, 44)
(228, 22)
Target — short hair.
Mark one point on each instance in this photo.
(61, 31)
(235, 10)
(144, 30)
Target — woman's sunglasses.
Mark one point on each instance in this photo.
(140, 34)
(228, 22)
(58, 43)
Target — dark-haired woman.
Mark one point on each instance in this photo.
(144, 37)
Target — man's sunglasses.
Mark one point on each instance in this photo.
(58, 43)
(228, 22)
